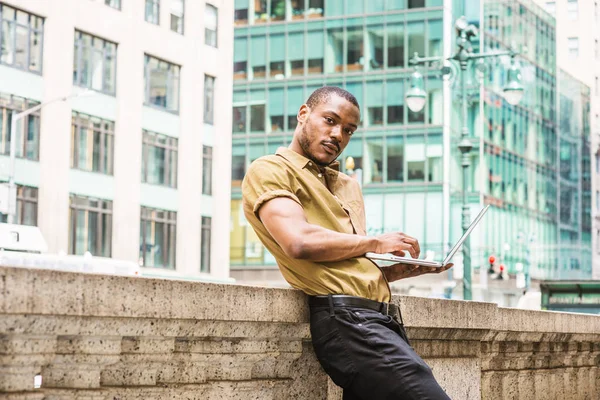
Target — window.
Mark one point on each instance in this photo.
(315, 53)
(373, 161)
(416, 3)
(158, 233)
(159, 159)
(177, 12)
(28, 129)
(241, 12)
(92, 144)
(551, 7)
(260, 11)
(395, 159)
(277, 10)
(296, 58)
(27, 199)
(152, 11)
(258, 56)
(374, 103)
(207, 162)
(239, 119)
(209, 99)
(354, 59)
(205, 244)
(21, 38)
(257, 118)
(211, 23)
(573, 9)
(94, 63)
(416, 38)
(276, 106)
(90, 226)
(395, 101)
(573, 47)
(335, 50)
(113, 3)
(161, 83)
(395, 49)
(277, 56)
(240, 59)
(315, 9)
(238, 164)
(375, 47)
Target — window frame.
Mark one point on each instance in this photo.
(103, 209)
(169, 219)
(151, 139)
(8, 105)
(25, 195)
(79, 47)
(209, 99)
(30, 31)
(207, 170)
(171, 77)
(205, 256)
(156, 7)
(181, 26)
(77, 121)
(214, 31)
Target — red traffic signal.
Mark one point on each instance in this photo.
(492, 259)
(501, 268)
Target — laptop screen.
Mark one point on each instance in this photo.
(465, 235)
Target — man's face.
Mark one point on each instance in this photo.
(326, 129)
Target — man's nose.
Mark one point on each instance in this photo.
(336, 132)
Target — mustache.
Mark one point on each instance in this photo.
(336, 144)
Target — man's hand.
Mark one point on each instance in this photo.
(402, 271)
(398, 243)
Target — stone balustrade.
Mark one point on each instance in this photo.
(108, 337)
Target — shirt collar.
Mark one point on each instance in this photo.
(300, 161)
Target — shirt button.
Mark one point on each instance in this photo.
(310, 164)
(320, 175)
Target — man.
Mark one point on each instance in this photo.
(311, 218)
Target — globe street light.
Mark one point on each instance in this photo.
(416, 97)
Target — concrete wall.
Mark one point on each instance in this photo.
(107, 337)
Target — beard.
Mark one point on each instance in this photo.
(305, 142)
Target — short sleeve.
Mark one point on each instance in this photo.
(266, 179)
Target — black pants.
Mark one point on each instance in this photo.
(367, 353)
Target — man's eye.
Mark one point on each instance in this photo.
(349, 132)
(329, 120)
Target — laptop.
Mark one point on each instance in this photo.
(415, 261)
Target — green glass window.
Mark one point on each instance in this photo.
(374, 6)
(435, 29)
(374, 103)
(374, 47)
(373, 161)
(416, 3)
(395, 101)
(435, 102)
(277, 10)
(316, 52)
(395, 48)
(356, 88)
(354, 58)
(238, 164)
(396, 4)
(395, 158)
(260, 11)
(294, 100)
(296, 53)
(335, 51)
(334, 8)
(277, 56)
(434, 158)
(416, 38)
(276, 104)
(354, 150)
(354, 7)
(241, 12)
(415, 158)
(240, 58)
(258, 56)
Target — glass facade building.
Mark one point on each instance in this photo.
(408, 162)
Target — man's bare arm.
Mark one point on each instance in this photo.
(286, 222)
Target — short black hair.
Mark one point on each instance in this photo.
(322, 94)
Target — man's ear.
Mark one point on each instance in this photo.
(303, 113)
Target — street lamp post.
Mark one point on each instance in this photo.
(12, 188)
(416, 98)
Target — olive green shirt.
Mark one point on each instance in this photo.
(330, 199)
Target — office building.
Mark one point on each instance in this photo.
(136, 170)
(408, 162)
